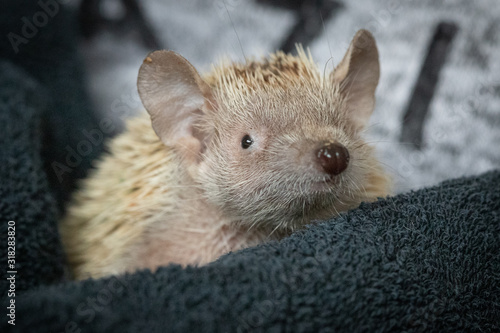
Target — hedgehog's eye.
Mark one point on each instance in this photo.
(246, 141)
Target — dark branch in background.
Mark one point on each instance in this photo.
(423, 92)
(310, 18)
(92, 20)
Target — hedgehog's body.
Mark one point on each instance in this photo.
(138, 190)
(187, 192)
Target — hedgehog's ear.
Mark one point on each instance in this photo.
(175, 96)
(358, 74)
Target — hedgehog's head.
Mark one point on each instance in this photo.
(269, 143)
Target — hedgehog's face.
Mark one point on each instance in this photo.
(283, 159)
(282, 152)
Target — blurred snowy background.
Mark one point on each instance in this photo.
(438, 100)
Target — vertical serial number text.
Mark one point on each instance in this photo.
(11, 271)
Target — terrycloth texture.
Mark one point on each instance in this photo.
(24, 193)
(44, 109)
(424, 261)
(49, 54)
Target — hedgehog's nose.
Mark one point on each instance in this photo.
(333, 158)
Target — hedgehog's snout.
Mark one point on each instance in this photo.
(333, 158)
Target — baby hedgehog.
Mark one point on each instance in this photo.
(247, 153)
